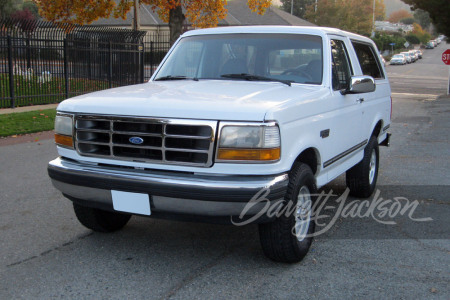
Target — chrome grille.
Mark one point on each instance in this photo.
(168, 141)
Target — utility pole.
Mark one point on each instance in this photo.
(373, 20)
(315, 13)
(136, 21)
(292, 7)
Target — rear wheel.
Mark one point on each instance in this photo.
(100, 220)
(362, 178)
(288, 238)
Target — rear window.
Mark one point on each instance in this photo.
(367, 59)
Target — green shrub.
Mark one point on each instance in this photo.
(408, 21)
(412, 38)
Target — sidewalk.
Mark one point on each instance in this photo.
(26, 108)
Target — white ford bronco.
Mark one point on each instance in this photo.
(231, 115)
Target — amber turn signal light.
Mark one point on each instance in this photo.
(249, 154)
(63, 140)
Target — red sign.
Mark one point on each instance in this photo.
(446, 57)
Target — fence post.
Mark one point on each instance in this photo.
(151, 58)
(89, 62)
(110, 65)
(28, 53)
(141, 61)
(66, 69)
(11, 73)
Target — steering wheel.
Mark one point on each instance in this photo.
(297, 72)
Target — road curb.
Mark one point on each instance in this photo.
(26, 138)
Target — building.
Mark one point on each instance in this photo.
(238, 15)
(392, 27)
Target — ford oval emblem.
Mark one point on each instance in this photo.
(136, 140)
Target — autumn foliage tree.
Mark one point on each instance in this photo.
(199, 13)
(398, 15)
(423, 36)
(351, 15)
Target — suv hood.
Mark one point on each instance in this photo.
(205, 99)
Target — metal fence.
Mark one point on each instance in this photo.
(41, 62)
(156, 45)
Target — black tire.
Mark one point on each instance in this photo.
(358, 178)
(100, 220)
(278, 239)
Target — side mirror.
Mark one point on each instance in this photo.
(360, 85)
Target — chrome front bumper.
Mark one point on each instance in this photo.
(170, 192)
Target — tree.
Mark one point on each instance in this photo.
(32, 7)
(384, 41)
(397, 15)
(412, 38)
(423, 18)
(423, 36)
(407, 21)
(439, 11)
(352, 15)
(380, 10)
(24, 15)
(199, 13)
(24, 20)
(7, 7)
(299, 6)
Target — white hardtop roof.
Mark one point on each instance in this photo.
(314, 30)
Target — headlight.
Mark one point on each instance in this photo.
(64, 130)
(249, 143)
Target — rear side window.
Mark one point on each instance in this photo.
(367, 59)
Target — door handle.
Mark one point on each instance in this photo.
(360, 100)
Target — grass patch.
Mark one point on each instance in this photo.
(31, 90)
(27, 122)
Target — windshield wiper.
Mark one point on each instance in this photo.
(176, 77)
(255, 78)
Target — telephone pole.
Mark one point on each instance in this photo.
(373, 20)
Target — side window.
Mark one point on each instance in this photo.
(367, 59)
(341, 71)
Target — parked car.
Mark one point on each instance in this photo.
(419, 53)
(414, 55)
(408, 57)
(398, 59)
(225, 129)
(429, 45)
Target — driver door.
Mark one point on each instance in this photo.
(345, 137)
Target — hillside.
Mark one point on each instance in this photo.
(393, 5)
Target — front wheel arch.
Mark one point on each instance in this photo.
(310, 157)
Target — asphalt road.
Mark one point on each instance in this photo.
(45, 253)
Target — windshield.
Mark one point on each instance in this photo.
(398, 56)
(279, 57)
